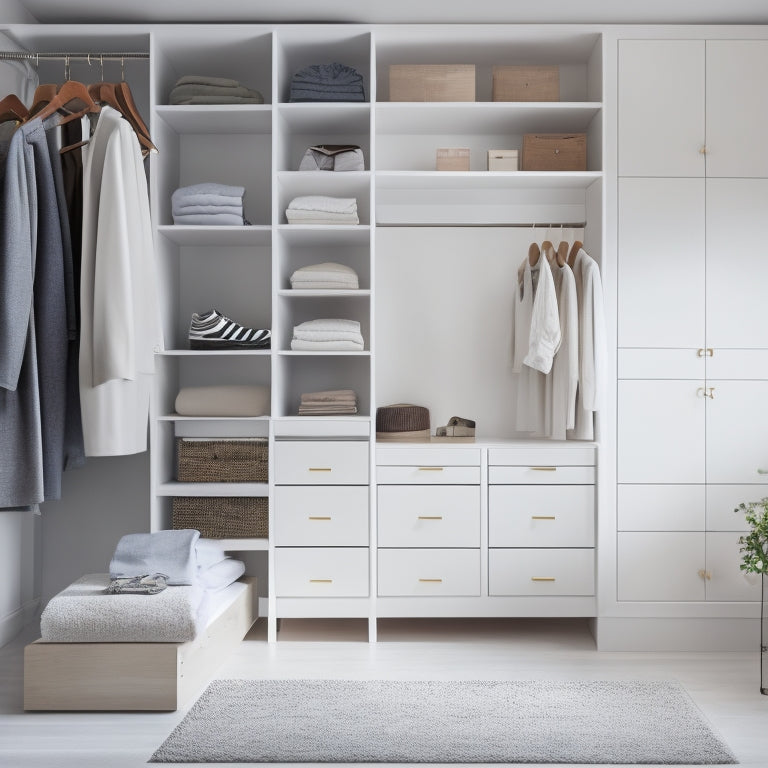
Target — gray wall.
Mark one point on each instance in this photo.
(12, 11)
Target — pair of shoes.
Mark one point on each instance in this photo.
(212, 330)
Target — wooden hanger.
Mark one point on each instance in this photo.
(12, 108)
(575, 248)
(533, 254)
(131, 113)
(562, 253)
(548, 250)
(72, 98)
(44, 94)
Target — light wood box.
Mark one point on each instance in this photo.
(134, 676)
(452, 159)
(526, 83)
(503, 160)
(554, 152)
(431, 82)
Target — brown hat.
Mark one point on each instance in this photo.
(402, 421)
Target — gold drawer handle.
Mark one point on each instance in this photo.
(318, 517)
(434, 581)
(542, 578)
(542, 517)
(319, 469)
(707, 352)
(321, 581)
(704, 574)
(544, 469)
(430, 469)
(430, 517)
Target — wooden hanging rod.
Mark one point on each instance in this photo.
(90, 57)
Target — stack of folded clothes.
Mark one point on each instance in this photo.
(327, 82)
(335, 402)
(327, 335)
(209, 204)
(328, 275)
(201, 89)
(321, 209)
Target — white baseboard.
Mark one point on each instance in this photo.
(680, 634)
(11, 625)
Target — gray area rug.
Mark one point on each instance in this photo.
(474, 721)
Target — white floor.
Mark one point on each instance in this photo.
(724, 685)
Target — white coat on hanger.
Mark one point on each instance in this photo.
(120, 329)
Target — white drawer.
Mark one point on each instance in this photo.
(336, 516)
(429, 572)
(427, 456)
(541, 572)
(321, 572)
(429, 516)
(428, 475)
(524, 456)
(542, 474)
(321, 462)
(541, 516)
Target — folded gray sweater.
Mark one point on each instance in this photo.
(201, 89)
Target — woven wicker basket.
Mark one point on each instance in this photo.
(223, 517)
(222, 461)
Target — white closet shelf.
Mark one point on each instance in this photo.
(209, 419)
(484, 117)
(299, 178)
(260, 235)
(240, 352)
(482, 180)
(304, 235)
(326, 117)
(318, 293)
(174, 488)
(244, 545)
(217, 118)
(334, 353)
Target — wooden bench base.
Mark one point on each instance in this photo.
(133, 676)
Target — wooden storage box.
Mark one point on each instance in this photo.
(431, 82)
(223, 517)
(554, 152)
(503, 160)
(452, 159)
(222, 461)
(526, 83)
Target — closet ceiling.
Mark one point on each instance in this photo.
(402, 11)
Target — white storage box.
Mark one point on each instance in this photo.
(503, 159)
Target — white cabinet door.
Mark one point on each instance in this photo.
(737, 432)
(661, 566)
(737, 112)
(737, 278)
(661, 107)
(661, 263)
(725, 580)
(660, 431)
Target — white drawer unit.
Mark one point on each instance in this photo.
(321, 462)
(549, 516)
(541, 572)
(429, 516)
(429, 572)
(321, 571)
(541, 474)
(430, 456)
(428, 475)
(542, 457)
(331, 516)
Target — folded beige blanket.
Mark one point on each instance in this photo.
(223, 400)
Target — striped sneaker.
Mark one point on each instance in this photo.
(212, 330)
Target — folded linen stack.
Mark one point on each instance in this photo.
(201, 89)
(208, 204)
(328, 275)
(321, 209)
(334, 402)
(327, 82)
(181, 556)
(327, 335)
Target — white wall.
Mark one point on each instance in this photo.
(13, 12)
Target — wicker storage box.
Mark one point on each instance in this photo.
(222, 461)
(432, 82)
(452, 159)
(554, 152)
(524, 83)
(223, 517)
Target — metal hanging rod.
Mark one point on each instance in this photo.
(530, 225)
(90, 57)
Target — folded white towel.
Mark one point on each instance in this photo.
(324, 203)
(328, 324)
(222, 574)
(327, 346)
(328, 336)
(326, 275)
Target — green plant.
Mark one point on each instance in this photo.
(754, 545)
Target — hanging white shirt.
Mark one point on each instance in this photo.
(592, 345)
(562, 382)
(120, 329)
